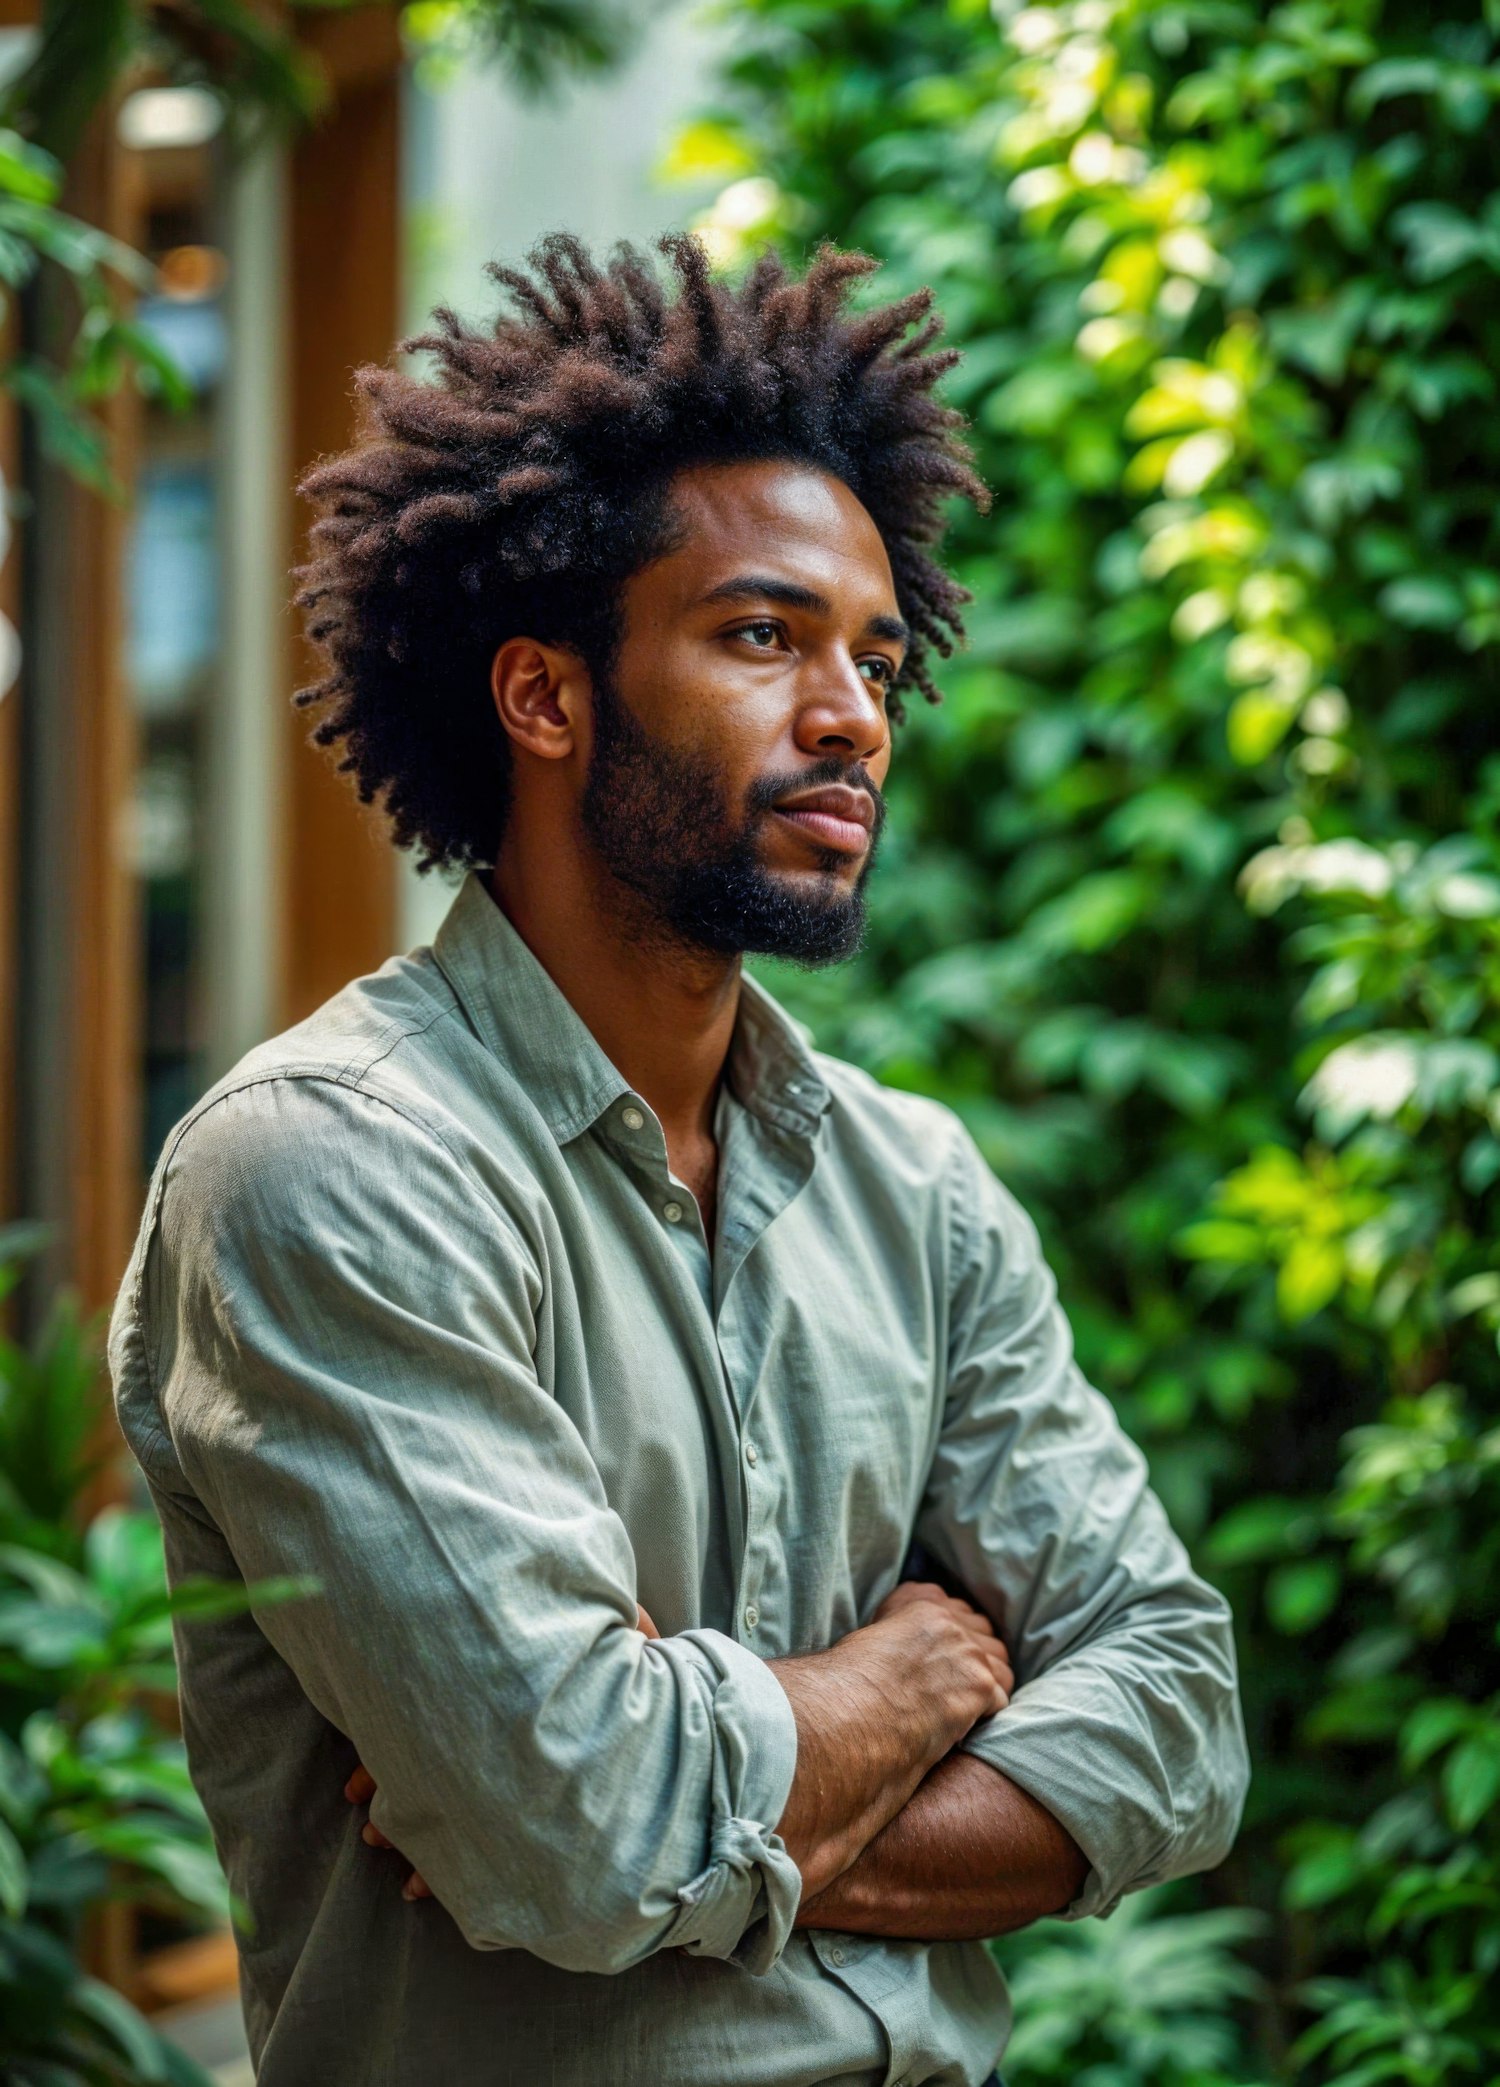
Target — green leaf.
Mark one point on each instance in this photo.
(1431, 1726)
(1257, 724)
(1094, 914)
(67, 435)
(1259, 1530)
(126, 2029)
(1329, 1872)
(1310, 1277)
(124, 1554)
(1302, 1595)
(1392, 76)
(1423, 601)
(13, 1877)
(1471, 1779)
(48, 1577)
(1441, 239)
(27, 171)
(183, 1862)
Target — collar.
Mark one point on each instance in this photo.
(523, 1016)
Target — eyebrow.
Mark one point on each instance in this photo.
(752, 587)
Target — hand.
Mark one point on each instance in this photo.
(361, 1787)
(967, 1617)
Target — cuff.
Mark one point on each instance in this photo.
(1070, 1753)
(743, 1904)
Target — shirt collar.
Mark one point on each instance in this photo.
(524, 1017)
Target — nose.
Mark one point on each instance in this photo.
(842, 714)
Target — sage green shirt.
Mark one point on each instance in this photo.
(419, 1309)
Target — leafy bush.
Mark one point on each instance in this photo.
(95, 1801)
(1142, 1996)
(1192, 905)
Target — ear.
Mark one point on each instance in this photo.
(541, 694)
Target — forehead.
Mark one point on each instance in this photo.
(788, 521)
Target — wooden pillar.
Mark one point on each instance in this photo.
(79, 963)
(345, 309)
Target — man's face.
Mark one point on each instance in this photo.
(738, 748)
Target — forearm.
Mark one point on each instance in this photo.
(970, 1855)
(874, 1714)
(855, 1770)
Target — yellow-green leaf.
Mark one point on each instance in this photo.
(1257, 725)
(1310, 1277)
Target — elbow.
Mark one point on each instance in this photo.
(605, 1931)
(605, 1919)
(590, 1944)
(1208, 1831)
(1228, 1807)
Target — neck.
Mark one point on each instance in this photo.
(662, 1014)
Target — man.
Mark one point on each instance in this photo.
(599, 1348)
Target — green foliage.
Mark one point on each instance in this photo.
(86, 47)
(266, 83)
(1192, 899)
(252, 61)
(104, 345)
(535, 44)
(95, 1800)
(1133, 1998)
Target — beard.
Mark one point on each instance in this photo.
(662, 823)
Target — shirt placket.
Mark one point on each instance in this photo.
(675, 1213)
(761, 1169)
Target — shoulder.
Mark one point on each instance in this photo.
(913, 1131)
(379, 1055)
(344, 1108)
(382, 1033)
(907, 1154)
(927, 1150)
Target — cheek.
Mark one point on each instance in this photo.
(725, 711)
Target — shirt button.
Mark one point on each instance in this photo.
(835, 1955)
(672, 1212)
(632, 1118)
(752, 1454)
(752, 1616)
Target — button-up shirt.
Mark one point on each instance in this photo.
(420, 1313)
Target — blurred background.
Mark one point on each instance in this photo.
(1190, 902)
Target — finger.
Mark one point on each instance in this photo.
(908, 1591)
(416, 1887)
(371, 1834)
(1003, 1682)
(360, 1787)
(644, 1624)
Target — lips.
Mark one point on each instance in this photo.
(838, 817)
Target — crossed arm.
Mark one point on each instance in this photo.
(893, 1832)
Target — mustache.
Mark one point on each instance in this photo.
(764, 794)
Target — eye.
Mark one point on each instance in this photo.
(762, 633)
(886, 673)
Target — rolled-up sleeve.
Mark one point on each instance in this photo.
(341, 1354)
(1126, 1720)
